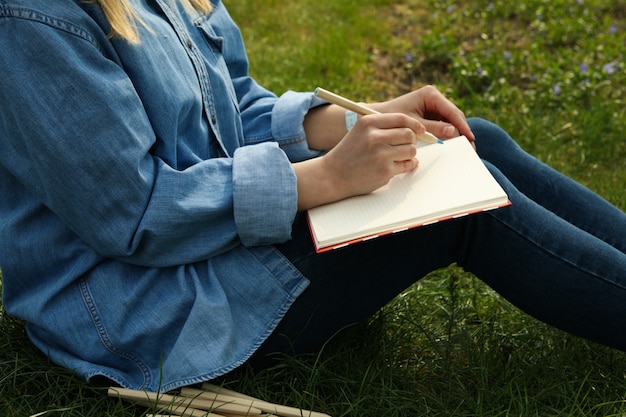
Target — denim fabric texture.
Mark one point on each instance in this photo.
(148, 225)
(133, 215)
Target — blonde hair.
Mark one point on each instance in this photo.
(124, 19)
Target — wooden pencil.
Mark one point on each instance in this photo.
(362, 109)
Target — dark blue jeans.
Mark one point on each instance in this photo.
(558, 253)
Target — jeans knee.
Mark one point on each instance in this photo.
(490, 136)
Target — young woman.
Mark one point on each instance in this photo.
(149, 226)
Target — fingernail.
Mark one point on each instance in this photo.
(448, 131)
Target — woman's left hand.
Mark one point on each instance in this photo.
(438, 114)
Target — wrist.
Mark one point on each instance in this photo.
(315, 183)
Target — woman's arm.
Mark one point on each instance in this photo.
(77, 134)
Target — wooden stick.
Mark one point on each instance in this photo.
(177, 410)
(224, 394)
(188, 406)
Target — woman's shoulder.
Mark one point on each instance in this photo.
(41, 9)
(75, 17)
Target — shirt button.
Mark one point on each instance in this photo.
(189, 43)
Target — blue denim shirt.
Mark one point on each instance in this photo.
(142, 187)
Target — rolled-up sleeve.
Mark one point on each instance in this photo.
(264, 194)
(288, 124)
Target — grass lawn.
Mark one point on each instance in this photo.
(553, 73)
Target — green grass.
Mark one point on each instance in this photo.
(550, 72)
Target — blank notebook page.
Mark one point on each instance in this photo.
(449, 180)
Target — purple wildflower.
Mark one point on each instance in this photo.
(556, 90)
(609, 68)
(583, 68)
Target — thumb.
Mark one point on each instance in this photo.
(442, 130)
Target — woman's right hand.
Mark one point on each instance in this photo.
(375, 150)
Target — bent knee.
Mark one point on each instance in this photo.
(490, 136)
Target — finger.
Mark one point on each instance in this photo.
(394, 136)
(444, 110)
(405, 166)
(392, 121)
(387, 139)
(442, 130)
(401, 136)
(401, 153)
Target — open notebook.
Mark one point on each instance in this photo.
(450, 181)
